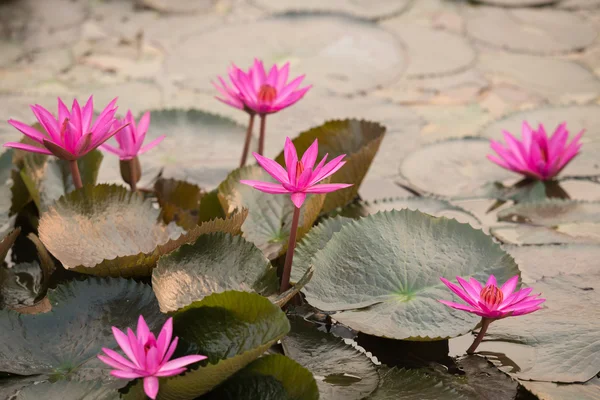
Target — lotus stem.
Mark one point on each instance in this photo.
(485, 323)
(261, 138)
(247, 142)
(75, 174)
(133, 173)
(289, 257)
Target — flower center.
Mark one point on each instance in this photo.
(150, 343)
(491, 295)
(299, 170)
(267, 94)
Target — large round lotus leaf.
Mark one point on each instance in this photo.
(432, 52)
(48, 178)
(530, 30)
(213, 264)
(338, 54)
(403, 384)
(232, 329)
(200, 148)
(383, 273)
(98, 223)
(563, 335)
(552, 212)
(578, 118)
(358, 139)
(537, 262)
(427, 205)
(68, 390)
(179, 201)
(264, 378)
(344, 372)
(454, 168)
(314, 241)
(371, 9)
(557, 391)
(540, 77)
(270, 215)
(64, 342)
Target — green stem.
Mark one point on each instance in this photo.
(75, 174)
(261, 138)
(485, 323)
(289, 257)
(247, 141)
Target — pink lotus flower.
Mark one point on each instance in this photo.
(299, 178)
(261, 92)
(489, 301)
(131, 138)
(72, 135)
(536, 156)
(492, 303)
(148, 356)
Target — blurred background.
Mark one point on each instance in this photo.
(427, 69)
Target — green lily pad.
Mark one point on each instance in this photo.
(342, 372)
(64, 341)
(214, 263)
(200, 148)
(402, 384)
(179, 201)
(270, 215)
(273, 377)
(232, 329)
(210, 207)
(557, 391)
(68, 390)
(382, 274)
(547, 261)
(48, 178)
(563, 335)
(314, 241)
(89, 228)
(455, 168)
(358, 139)
(552, 212)
(427, 205)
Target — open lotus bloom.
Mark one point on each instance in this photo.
(147, 356)
(261, 92)
(131, 137)
(536, 155)
(490, 301)
(72, 135)
(300, 177)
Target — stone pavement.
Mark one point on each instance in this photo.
(427, 69)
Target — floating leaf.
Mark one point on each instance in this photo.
(273, 377)
(314, 241)
(374, 10)
(552, 212)
(212, 145)
(427, 205)
(343, 372)
(179, 201)
(210, 207)
(48, 178)
(563, 335)
(557, 391)
(359, 140)
(68, 390)
(576, 233)
(214, 263)
(454, 168)
(232, 329)
(64, 341)
(270, 216)
(402, 384)
(530, 30)
(383, 274)
(538, 262)
(89, 228)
